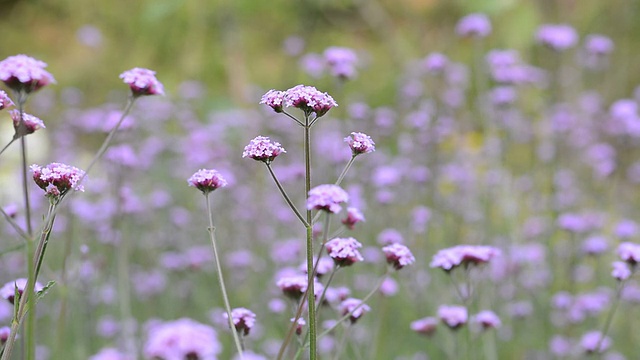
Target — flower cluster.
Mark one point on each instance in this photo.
(487, 319)
(274, 99)
(8, 290)
(142, 82)
(207, 180)
(557, 37)
(344, 251)
(595, 342)
(453, 316)
(629, 252)
(354, 216)
(398, 255)
(263, 149)
(449, 258)
(342, 62)
(30, 123)
(295, 286)
(360, 143)
(477, 25)
(355, 307)
(425, 326)
(305, 98)
(181, 339)
(327, 197)
(620, 270)
(57, 179)
(5, 101)
(243, 319)
(24, 74)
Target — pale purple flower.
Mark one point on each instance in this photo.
(57, 179)
(344, 251)
(337, 294)
(295, 286)
(24, 73)
(30, 123)
(181, 339)
(355, 307)
(360, 143)
(595, 245)
(557, 37)
(5, 101)
(110, 354)
(449, 258)
(263, 149)
(342, 61)
(590, 341)
(273, 99)
(313, 64)
(620, 271)
(207, 180)
(327, 197)
(598, 44)
(477, 25)
(398, 255)
(453, 316)
(560, 346)
(142, 82)
(629, 252)
(309, 100)
(354, 216)
(389, 287)
(390, 236)
(4, 334)
(323, 266)
(435, 63)
(8, 290)
(626, 228)
(487, 319)
(425, 326)
(243, 319)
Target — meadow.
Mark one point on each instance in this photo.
(462, 179)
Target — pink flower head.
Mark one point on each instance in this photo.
(467, 255)
(629, 252)
(354, 216)
(425, 326)
(30, 123)
(142, 82)
(598, 44)
(453, 316)
(207, 180)
(273, 99)
(4, 334)
(355, 307)
(24, 74)
(360, 143)
(323, 266)
(592, 339)
(477, 25)
(620, 271)
(8, 290)
(309, 100)
(327, 197)
(243, 319)
(263, 149)
(487, 319)
(57, 179)
(557, 37)
(182, 339)
(5, 101)
(344, 251)
(295, 286)
(342, 61)
(398, 255)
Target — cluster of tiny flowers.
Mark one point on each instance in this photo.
(453, 316)
(306, 98)
(207, 180)
(273, 99)
(355, 307)
(182, 339)
(295, 286)
(487, 319)
(8, 290)
(327, 197)
(243, 319)
(263, 149)
(56, 179)
(449, 258)
(31, 123)
(398, 255)
(592, 339)
(24, 73)
(557, 37)
(142, 82)
(354, 216)
(620, 270)
(360, 143)
(629, 252)
(344, 251)
(5, 101)
(474, 25)
(425, 326)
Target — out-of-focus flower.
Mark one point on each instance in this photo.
(111, 354)
(309, 100)
(476, 25)
(558, 37)
(327, 197)
(8, 290)
(28, 125)
(299, 324)
(398, 255)
(354, 306)
(594, 342)
(425, 326)
(453, 316)
(207, 180)
(4, 334)
(390, 236)
(142, 82)
(263, 149)
(620, 271)
(354, 216)
(57, 179)
(360, 143)
(487, 319)
(5, 101)
(24, 74)
(435, 63)
(598, 45)
(323, 267)
(342, 62)
(595, 245)
(449, 258)
(629, 252)
(344, 251)
(295, 286)
(243, 319)
(182, 339)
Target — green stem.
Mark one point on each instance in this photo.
(223, 288)
(284, 194)
(15, 226)
(609, 320)
(311, 300)
(7, 146)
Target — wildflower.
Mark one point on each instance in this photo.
(273, 99)
(309, 100)
(181, 339)
(592, 339)
(360, 143)
(323, 267)
(475, 25)
(342, 61)
(620, 271)
(344, 251)
(425, 326)
(5, 101)
(8, 290)
(295, 286)
(594, 245)
(4, 334)
(142, 82)
(355, 307)
(453, 316)
(207, 180)
(354, 216)
(598, 45)
(398, 255)
(243, 320)
(263, 149)
(23, 73)
(557, 37)
(629, 252)
(487, 319)
(327, 197)
(57, 179)
(449, 258)
(390, 236)
(28, 125)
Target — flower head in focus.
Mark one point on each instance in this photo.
(142, 82)
(28, 125)
(309, 100)
(273, 99)
(207, 180)
(23, 73)
(57, 179)
(629, 252)
(344, 251)
(398, 255)
(327, 197)
(360, 143)
(263, 149)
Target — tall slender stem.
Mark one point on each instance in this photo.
(284, 194)
(339, 181)
(223, 288)
(7, 146)
(609, 320)
(310, 286)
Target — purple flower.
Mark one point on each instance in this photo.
(477, 25)
(453, 316)
(594, 245)
(273, 99)
(598, 44)
(449, 258)
(354, 306)
(594, 342)
(626, 228)
(181, 339)
(263, 149)
(243, 319)
(327, 197)
(342, 61)
(8, 290)
(142, 82)
(398, 255)
(323, 266)
(110, 354)
(5, 101)
(4, 334)
(390, 236)
(425, 326)
(207, 180)
(629, 252)
(28, 125)
(24, 73)
(557, 37)
(435, 63)
(360, 143)
(354, 216)
(295, 286)
(344, 251)
(300, 323)
(57, 179)
(309, 100)
(487, 319)
(620, 271)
